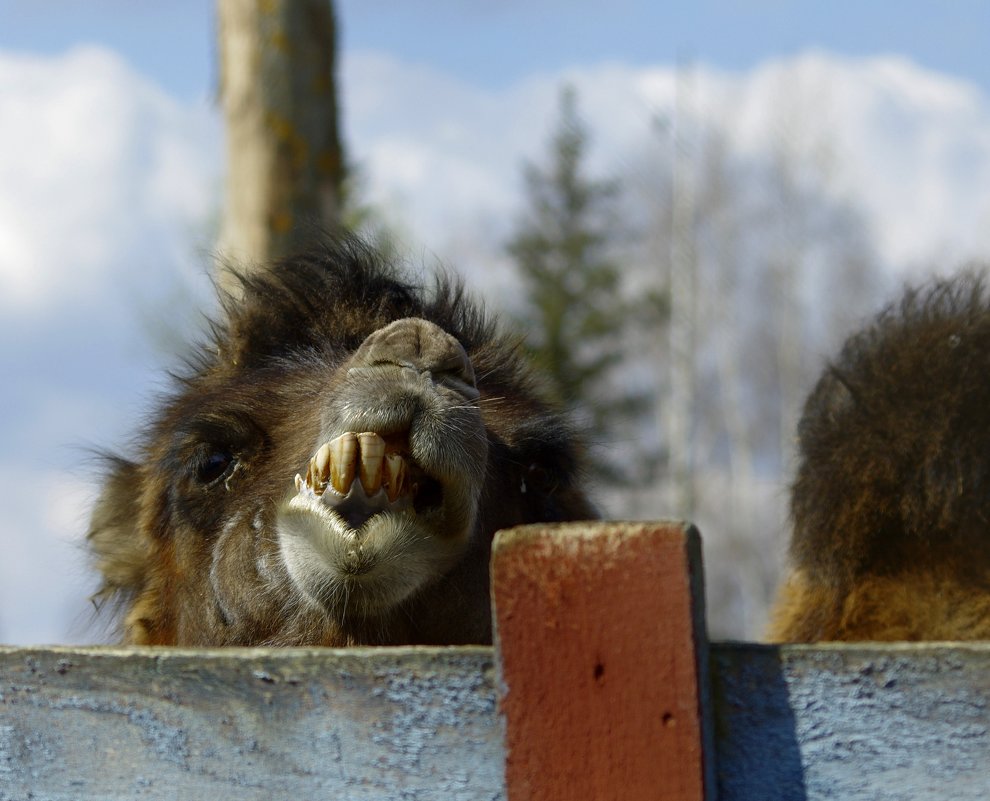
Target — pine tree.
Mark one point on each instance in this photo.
(564, 249)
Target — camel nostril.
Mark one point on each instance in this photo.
(455, 369)
(421, 347)
(418, 344)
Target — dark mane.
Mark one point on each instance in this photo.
(891, 502)
(893, 438)
(282, 309)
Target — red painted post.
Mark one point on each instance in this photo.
(603, 655)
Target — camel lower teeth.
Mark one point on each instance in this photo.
(394, 476)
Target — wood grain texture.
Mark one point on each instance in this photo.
(600, 628)
(79, 724)
(795, 723)
(904, 722)
(800, 723)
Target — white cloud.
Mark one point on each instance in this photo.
(912, 147)
(44, 580)
(106, 184)
(101, 173)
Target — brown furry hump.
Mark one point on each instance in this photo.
(332, 467)
(891, 503)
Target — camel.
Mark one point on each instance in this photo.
(332, 466)
(891, 502)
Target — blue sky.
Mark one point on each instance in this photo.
(494, 43)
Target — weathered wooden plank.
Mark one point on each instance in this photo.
(860, 723)
(802, 723)
(106, 724)
(600, 629)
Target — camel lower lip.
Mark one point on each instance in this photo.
(357, 507)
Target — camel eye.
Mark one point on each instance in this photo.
(213, 466)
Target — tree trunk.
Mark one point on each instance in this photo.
(683, 304)
(284, 156)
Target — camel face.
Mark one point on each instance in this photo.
(390, 498)
(333, 468)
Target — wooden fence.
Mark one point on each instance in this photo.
(602, 685)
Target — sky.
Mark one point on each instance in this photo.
(111, 162)
(493, 44)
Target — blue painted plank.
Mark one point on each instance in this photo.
(803, 723)
(895, 722)
(80, 724)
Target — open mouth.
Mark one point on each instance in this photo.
(361, 475)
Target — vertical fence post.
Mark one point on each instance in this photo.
(600, 635)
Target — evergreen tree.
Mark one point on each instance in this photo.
(576, 316)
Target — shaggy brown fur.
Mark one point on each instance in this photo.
(891, 505)
(206, 537)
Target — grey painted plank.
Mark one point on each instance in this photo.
(876, 723)
(81, 724)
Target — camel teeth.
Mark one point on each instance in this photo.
(322, 462)
(343, 453)
(394, 476)
(372, 455)
(351, 456)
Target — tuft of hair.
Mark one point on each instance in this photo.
(893, 474)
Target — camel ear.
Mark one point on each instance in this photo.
(118, 546)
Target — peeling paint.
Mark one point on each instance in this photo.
(886, 723)
(861, 723)
(159, 723)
